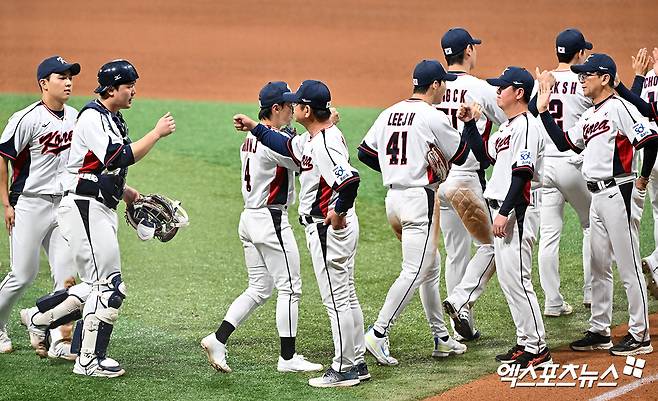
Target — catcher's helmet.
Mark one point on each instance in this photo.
(115, 72)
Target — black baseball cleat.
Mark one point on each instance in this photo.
(511, 355)
(364, 374)
(461, 321)
(630, 346)
(591, 341)
(537, 361)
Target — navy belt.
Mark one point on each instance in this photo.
(98, 198)
(494, 204)
(306, 220)
(596, 186)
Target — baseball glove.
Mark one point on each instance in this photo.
(156, 216)
(438, 163)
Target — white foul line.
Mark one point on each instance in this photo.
(625, 389)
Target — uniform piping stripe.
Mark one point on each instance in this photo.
(322, 234)
(324, 139)
(430, 212)
(83, 208)
(276, 220)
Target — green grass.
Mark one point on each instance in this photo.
(178, 292)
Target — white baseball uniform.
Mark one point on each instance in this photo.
(325, 170)
(650, 94)
(462, 200)
(563, 182)
(400, 139)
(270, 249)
(518, 145)
(607, 133)
(36, 142)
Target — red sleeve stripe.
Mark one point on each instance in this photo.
(7, 156)
(522, 168)
(115, 154)
(460, 152)
(645, 139)
(349, 180)
(292, 153)
(368, 150)
(571, 144)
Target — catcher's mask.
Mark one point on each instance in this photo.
(156, 216)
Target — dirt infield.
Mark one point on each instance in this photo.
(365, 50)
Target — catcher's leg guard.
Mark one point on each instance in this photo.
(100, 316)
(61, 307)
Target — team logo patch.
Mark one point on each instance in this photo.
(448, 50)
(561, 50)
(525, 158)
(641, 131)
(342, 174)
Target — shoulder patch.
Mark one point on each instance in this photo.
(641, 130)
(525, 158)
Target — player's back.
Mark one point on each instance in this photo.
(402, 136)
(650, 88)
(265, 179)
(566, 106)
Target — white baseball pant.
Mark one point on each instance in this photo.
(272, 259)
(615, 221)
(333, 253)
(412, 210)
(35, 227)
(563, 182)
(514, 269)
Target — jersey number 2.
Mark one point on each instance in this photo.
(555, 109)
(393, 148)
(247, 177)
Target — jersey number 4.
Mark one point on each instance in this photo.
(247, 177)
(393, 148)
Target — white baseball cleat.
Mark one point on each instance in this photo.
(447, 348)
(563, 310)
(331, 378)
(5, 343)
(38, 335)
(216, 352)
(297, 364)
(61, 349)
(106, 367)
(379, 348)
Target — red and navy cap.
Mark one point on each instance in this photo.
(56, 64)
(311, 92)
(597, 62)
(428, 71)
(517, 77)
(571, 41)
(456, 40)
(272, 94)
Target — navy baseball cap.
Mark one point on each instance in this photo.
(311, 92)
(456, 40)
(272, 94)
(517, 77)
(571, 41)
(597, 62)
(56, 64)
(428, 71)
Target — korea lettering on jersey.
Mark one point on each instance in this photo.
(465, 89)
(267, 177)
(99, 155)
(37, 142)
(567, 104)
(401, 137)
(608, 134)
(517, 145)
(325, 169)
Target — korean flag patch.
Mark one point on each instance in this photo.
(641, 131)
(525, 158)
(341, 174)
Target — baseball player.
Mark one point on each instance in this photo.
(397, 145)
(329, 187)
(608, 132)
(517, 151)
(465, 215)
(270, 250)
(645, 85)
(94, 184)
(36, 143)
(563, 181)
